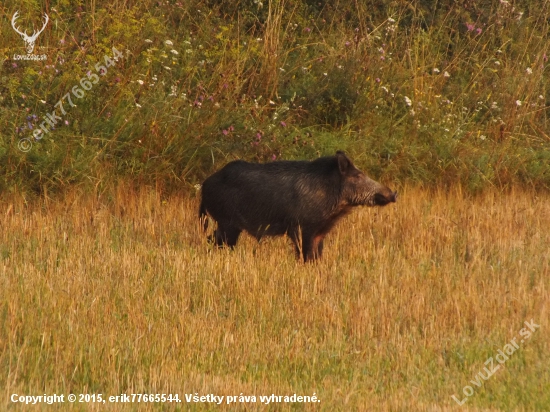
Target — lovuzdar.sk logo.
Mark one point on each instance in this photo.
(29, 40)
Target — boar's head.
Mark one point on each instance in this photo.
(358, 189)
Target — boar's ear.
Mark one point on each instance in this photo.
(343, 162)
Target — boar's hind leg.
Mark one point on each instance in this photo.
(227, 235)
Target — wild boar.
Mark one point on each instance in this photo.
(302, 199)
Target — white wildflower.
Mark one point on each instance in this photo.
(435, 70)
(518, 103)
(174, 52)
(529, 70)
(140, 81)
(408, 101)
(148, 41)
(168, 42)
(446, 74)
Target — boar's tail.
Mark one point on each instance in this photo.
(203, 216)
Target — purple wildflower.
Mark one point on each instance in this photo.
(470, 26)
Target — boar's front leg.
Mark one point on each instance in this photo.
(307, 244)
(320, 248)
(312, 246)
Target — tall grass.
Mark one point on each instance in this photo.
(444, 94)
(121, 294)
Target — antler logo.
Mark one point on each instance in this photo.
(29, 40)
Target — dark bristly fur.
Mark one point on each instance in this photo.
(299, 198)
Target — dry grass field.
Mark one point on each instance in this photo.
(123, 294)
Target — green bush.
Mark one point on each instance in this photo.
(444, 95)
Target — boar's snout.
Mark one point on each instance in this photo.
(384, 197)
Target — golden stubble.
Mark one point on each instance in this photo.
(122, 294)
